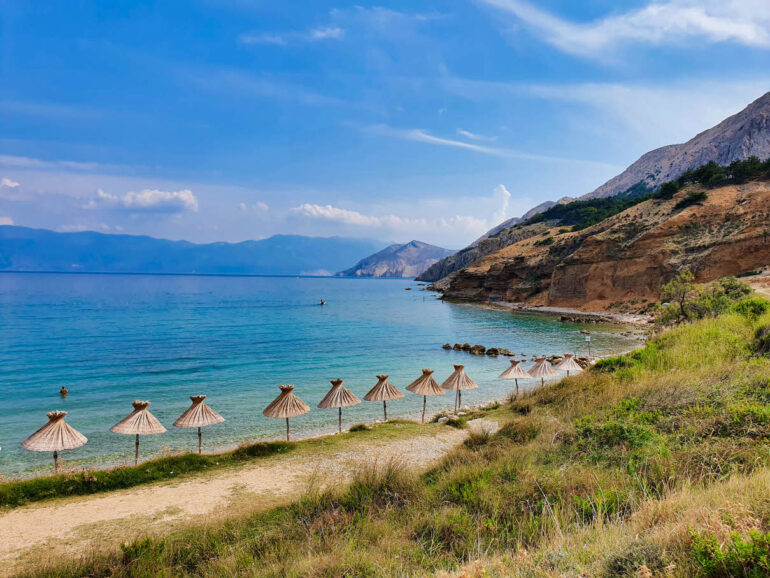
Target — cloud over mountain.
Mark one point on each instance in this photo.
(147, 200)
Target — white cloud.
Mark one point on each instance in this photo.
(6, 182)
(474, 136)
(32, 163)
(329, 32)
(258, 207)
(456, 225)
(656, 114)
(293, 37)
(147, 200)
(420, 135)
(6, 221)
(745, 22)
(504, 197)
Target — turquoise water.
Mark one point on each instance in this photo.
(115, 338)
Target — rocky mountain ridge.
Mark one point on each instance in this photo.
(738, 137)
(407, 260)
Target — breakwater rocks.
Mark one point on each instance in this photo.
(479, 349)
(582, 361)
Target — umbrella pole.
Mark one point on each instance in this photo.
(56, 462)
(136, 455)
(287, 429)
(516, 379)
(200, 442)
(340, 421)
(542, 382)
(385, 409)
(459, 399)
(424, 402)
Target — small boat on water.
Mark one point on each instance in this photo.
(322, 303)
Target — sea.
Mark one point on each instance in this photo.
(112, 339)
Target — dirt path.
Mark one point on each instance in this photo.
(84, 524)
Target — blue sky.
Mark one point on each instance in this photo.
(225, 120)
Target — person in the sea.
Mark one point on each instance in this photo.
(323, 302)
(63, 391)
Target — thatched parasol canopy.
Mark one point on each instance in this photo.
(542, 369)
(515, 372)
(568, 364)
(286, 405)
(55, 436)
(198, 415)
(337, 398)
(384, 391)
(139, 422)
(459, 382)
(425, 385)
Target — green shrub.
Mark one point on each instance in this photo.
(752, 308)
(612, 364)
(749, 557)
(691, 198)
(544, 242)
(359, 427)
(519, 431)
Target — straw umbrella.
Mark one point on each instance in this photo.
(542, 369)
(139, 421)
(459, 382)
(515, 372)
(198, 415)
(568, 364)
(338, 397)
(384, 391)
(286, 405)
(425, 385)
(55, 436)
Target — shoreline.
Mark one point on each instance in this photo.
(565, 313)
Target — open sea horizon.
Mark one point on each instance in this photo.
(111, 339)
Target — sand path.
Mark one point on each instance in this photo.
(85, 524)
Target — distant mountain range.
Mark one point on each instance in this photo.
(407, 260)
(25, 249)
(737, 138)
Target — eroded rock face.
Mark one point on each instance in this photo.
(624, 260)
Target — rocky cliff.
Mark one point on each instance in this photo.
(620, 263)
(408, 260)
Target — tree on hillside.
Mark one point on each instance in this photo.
(678, 290)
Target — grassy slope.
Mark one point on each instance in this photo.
(654, 461)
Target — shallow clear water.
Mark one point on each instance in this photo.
(115, 338)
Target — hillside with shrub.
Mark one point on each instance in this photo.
(713, 221)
